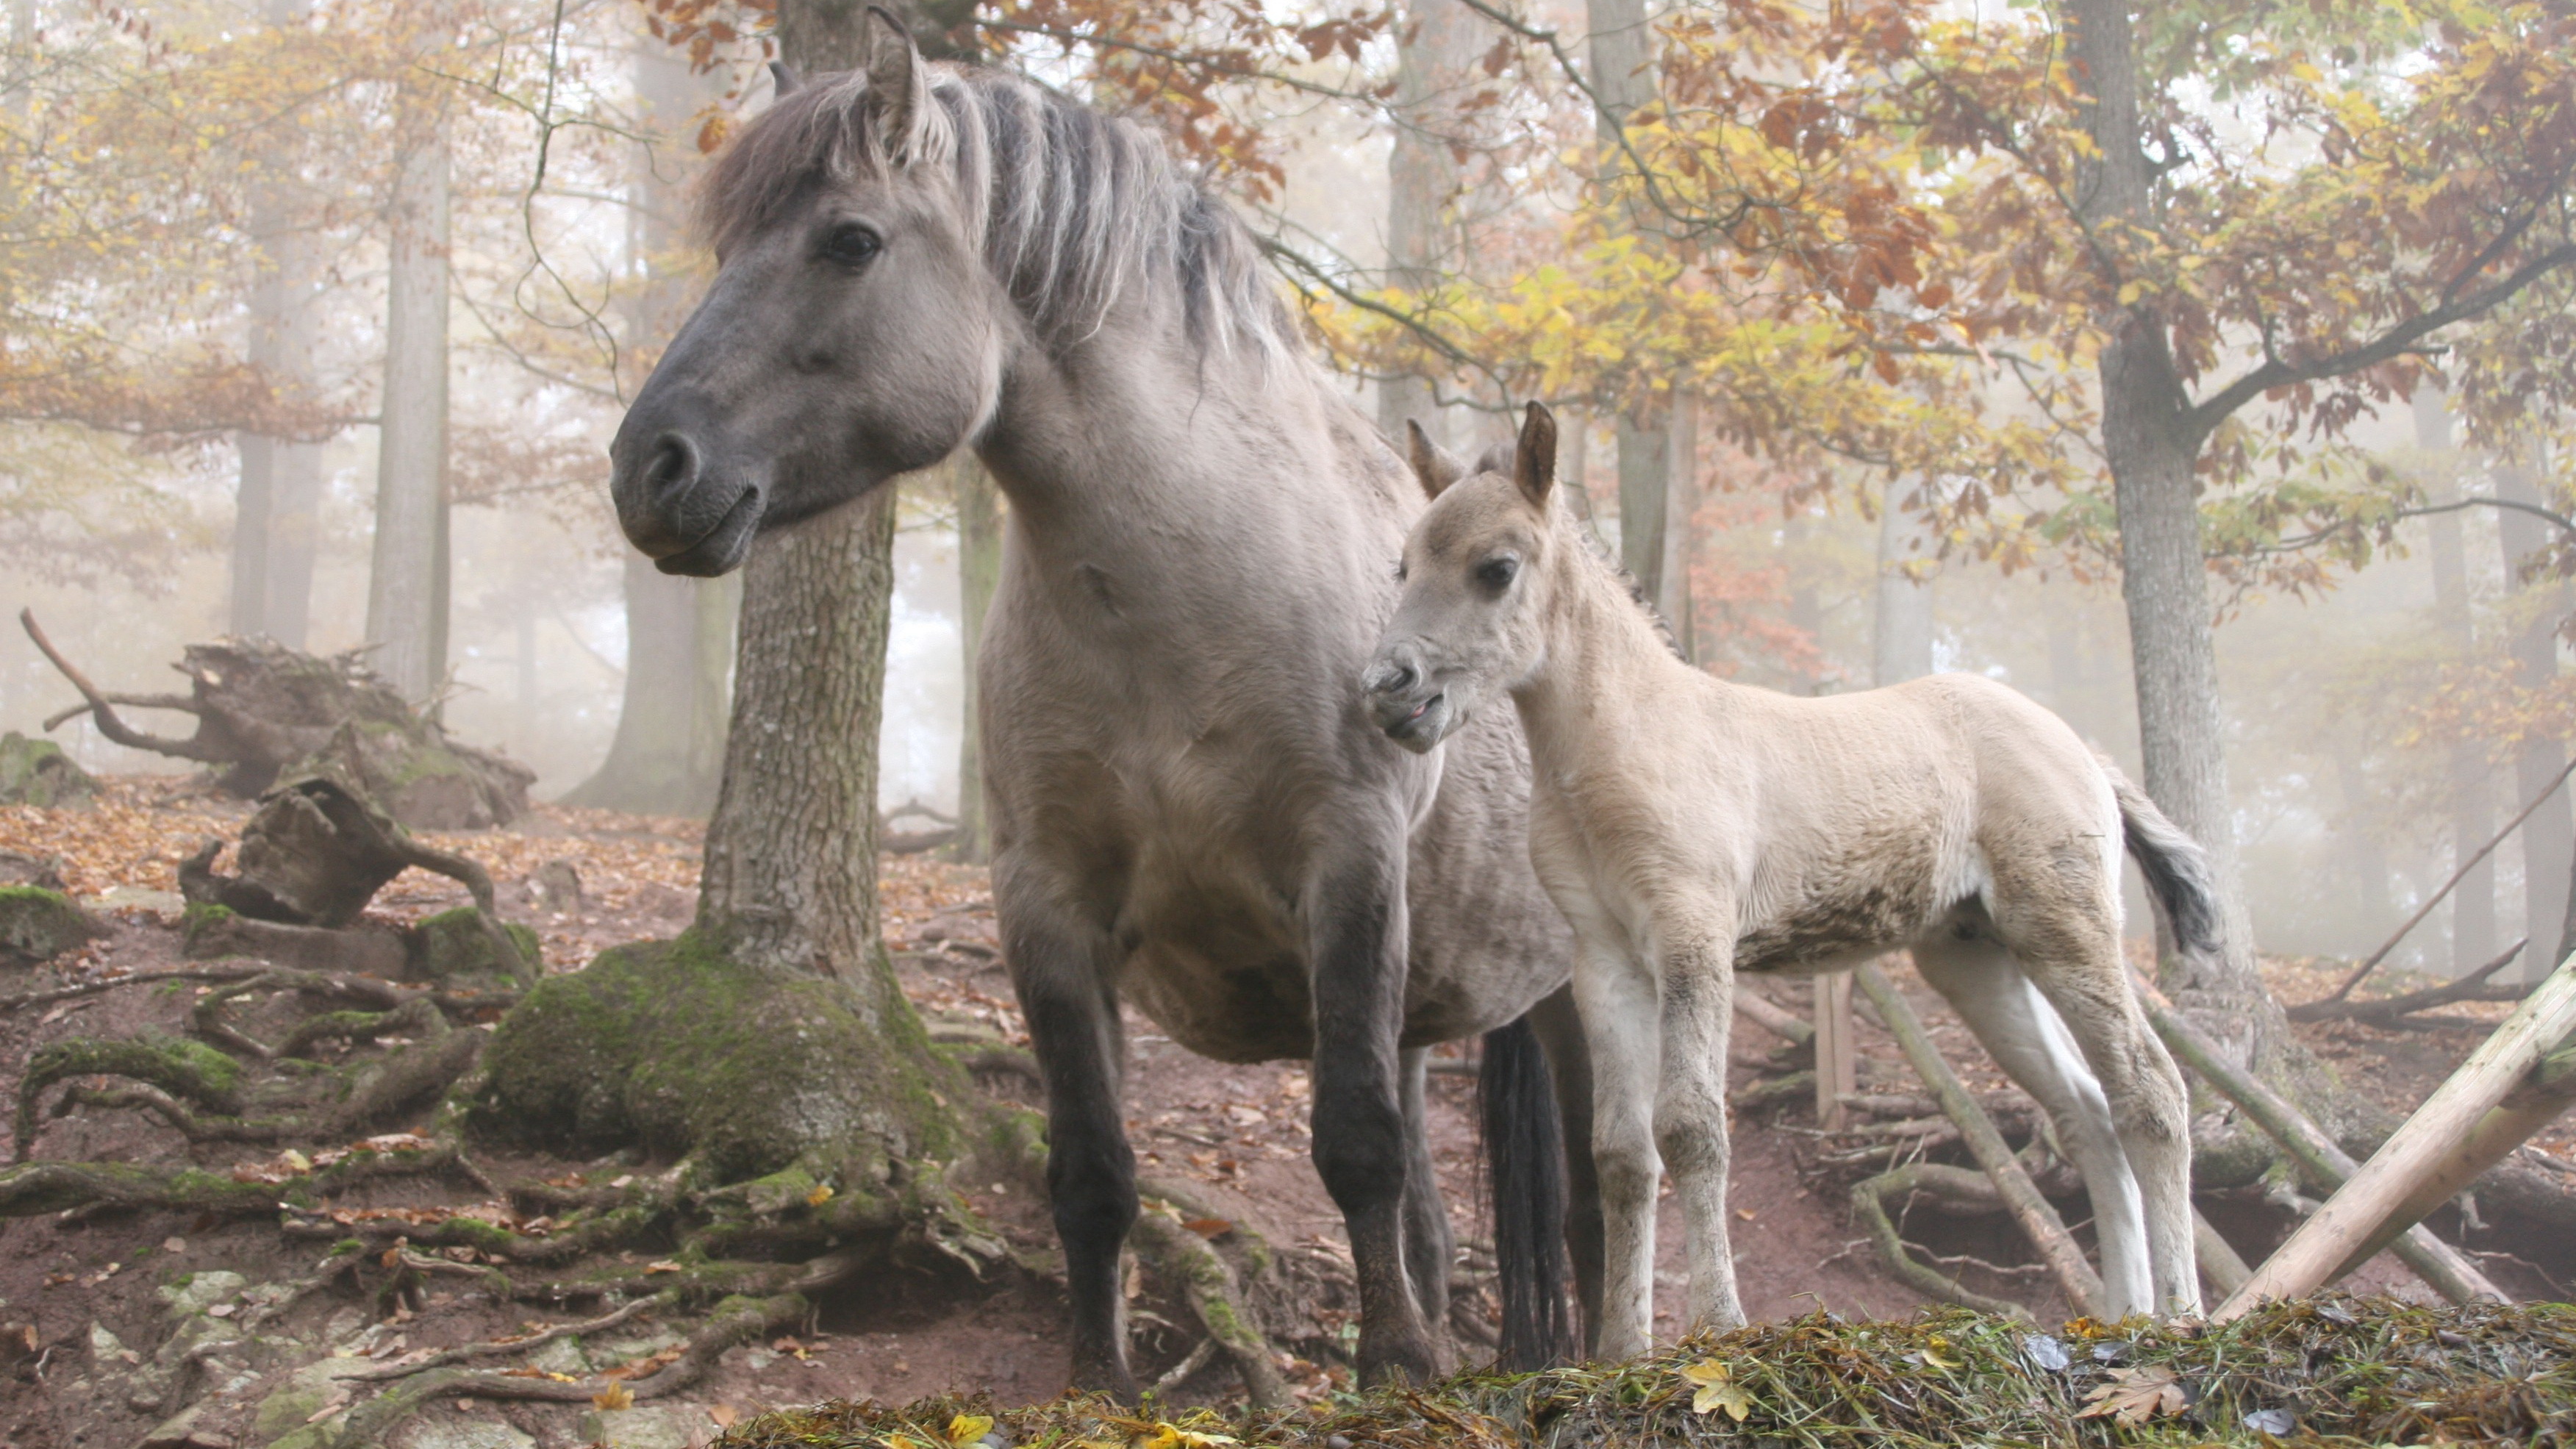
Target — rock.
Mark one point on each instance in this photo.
(43, 872)
(186, 1430)
(36, 925)
(557, 886)
(453, 949)
(139, 898)
(563, 1356)
(647, 1426)
(286, 1417)
(625, 1350)
(463, 1434)
(200, 1291)
(108, 1350)
(37, 772)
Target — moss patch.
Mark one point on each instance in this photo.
(36, 925)
(673, 1046)
(453, 949)
(37, 772)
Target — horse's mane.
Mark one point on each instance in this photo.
(1072, 208)
(1613, 570)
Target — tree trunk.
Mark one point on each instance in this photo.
(1621, 50)
(669, 747)
(273, 529)
(2473, 900)
(1435, 46)
(668, 752)
(2151, 444)
(979, 571)
(2549, 837)
(404, 590)
(1901, 632)
(1681, 500)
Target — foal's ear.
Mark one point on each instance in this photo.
(1534, 461)
(783, 80)
(1434, 466)
(898, 83)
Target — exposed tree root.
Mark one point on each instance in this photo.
(523, 1343)
(19, 1001)
(1957, 1188)
(1183, 1259)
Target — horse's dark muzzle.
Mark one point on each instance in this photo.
(685, 517)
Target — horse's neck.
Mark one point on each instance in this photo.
(1605, 674)
(1140, 438)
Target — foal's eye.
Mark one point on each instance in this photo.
(1496, 573)
(852, 244)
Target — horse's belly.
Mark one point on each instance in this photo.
(1225, 983)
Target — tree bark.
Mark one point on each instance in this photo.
(1620, 46)
(2151, 443)
(2473, 901)
(1681, 501)
(404, 587)
(2549, 837)
(272, 555)
(979, 570)
(1435, 46)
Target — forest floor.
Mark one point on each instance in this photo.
(92, 1305)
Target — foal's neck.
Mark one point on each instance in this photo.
(1606, 664)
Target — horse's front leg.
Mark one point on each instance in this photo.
(1356, 927)
(1696, 961)
(1616, 995)
(1058, 969)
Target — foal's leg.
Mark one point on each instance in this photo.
(1429, 1245)
(2025, 1037)
(1356, 930)
(1057, 966)
(1569, 1063)
(1697, 965)
(1621, 1028)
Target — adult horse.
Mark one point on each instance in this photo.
(1190, 804)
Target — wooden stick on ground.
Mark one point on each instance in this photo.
(2418, 1152)
(2325, 1164)
(2371, 962)
(2083, 1287)
(2385, 1012)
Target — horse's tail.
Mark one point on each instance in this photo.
(2176, 868)
(1525, 1163)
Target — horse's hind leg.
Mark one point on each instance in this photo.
(1074, 1026)
(1429, 1246)
(2026, 1038)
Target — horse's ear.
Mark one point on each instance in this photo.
(898, 83)
(1434, 467)
(1534, 461)
(783, 80)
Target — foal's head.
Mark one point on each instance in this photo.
(852, 331)
(1477, 579)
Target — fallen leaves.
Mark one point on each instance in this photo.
(612, 1398)
(1717, 1389)
(2136, 1395)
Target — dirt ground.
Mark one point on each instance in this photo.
(112, 1325)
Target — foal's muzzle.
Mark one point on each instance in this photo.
(1403, 702)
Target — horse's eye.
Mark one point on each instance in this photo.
(1496, 573)
(852, 245)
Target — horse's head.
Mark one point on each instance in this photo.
(1476, 583)
(853, 331)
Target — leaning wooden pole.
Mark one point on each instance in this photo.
(2021, 1196)
(2324, 1164)
(2422, 1151)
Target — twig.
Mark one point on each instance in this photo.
(2371, 962)
(1179, 1373)
(140, 978)
(2021, 1196)
(2385, 1012)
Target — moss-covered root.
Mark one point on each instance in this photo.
(38, 1188)
(1182, 1258)
(189, 1071)
(1955, 1187)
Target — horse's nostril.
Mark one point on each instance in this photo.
(673, 469)
(1394, 677)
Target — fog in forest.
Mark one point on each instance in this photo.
(2350, 799)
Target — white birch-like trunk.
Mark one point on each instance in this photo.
(2549, 836)
(404, 587)
(2473, 900)
(1436, 44)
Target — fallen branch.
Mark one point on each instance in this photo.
(2021, 1196)
(102, 710)
(2386, 1011)
(2427, 1151)
(25, 999)
(1179, 1373)
(2321, 1161)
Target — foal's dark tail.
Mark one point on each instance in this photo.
(1525, 1161)
(2176, 868)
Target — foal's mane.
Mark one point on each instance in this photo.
(1071, 208)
